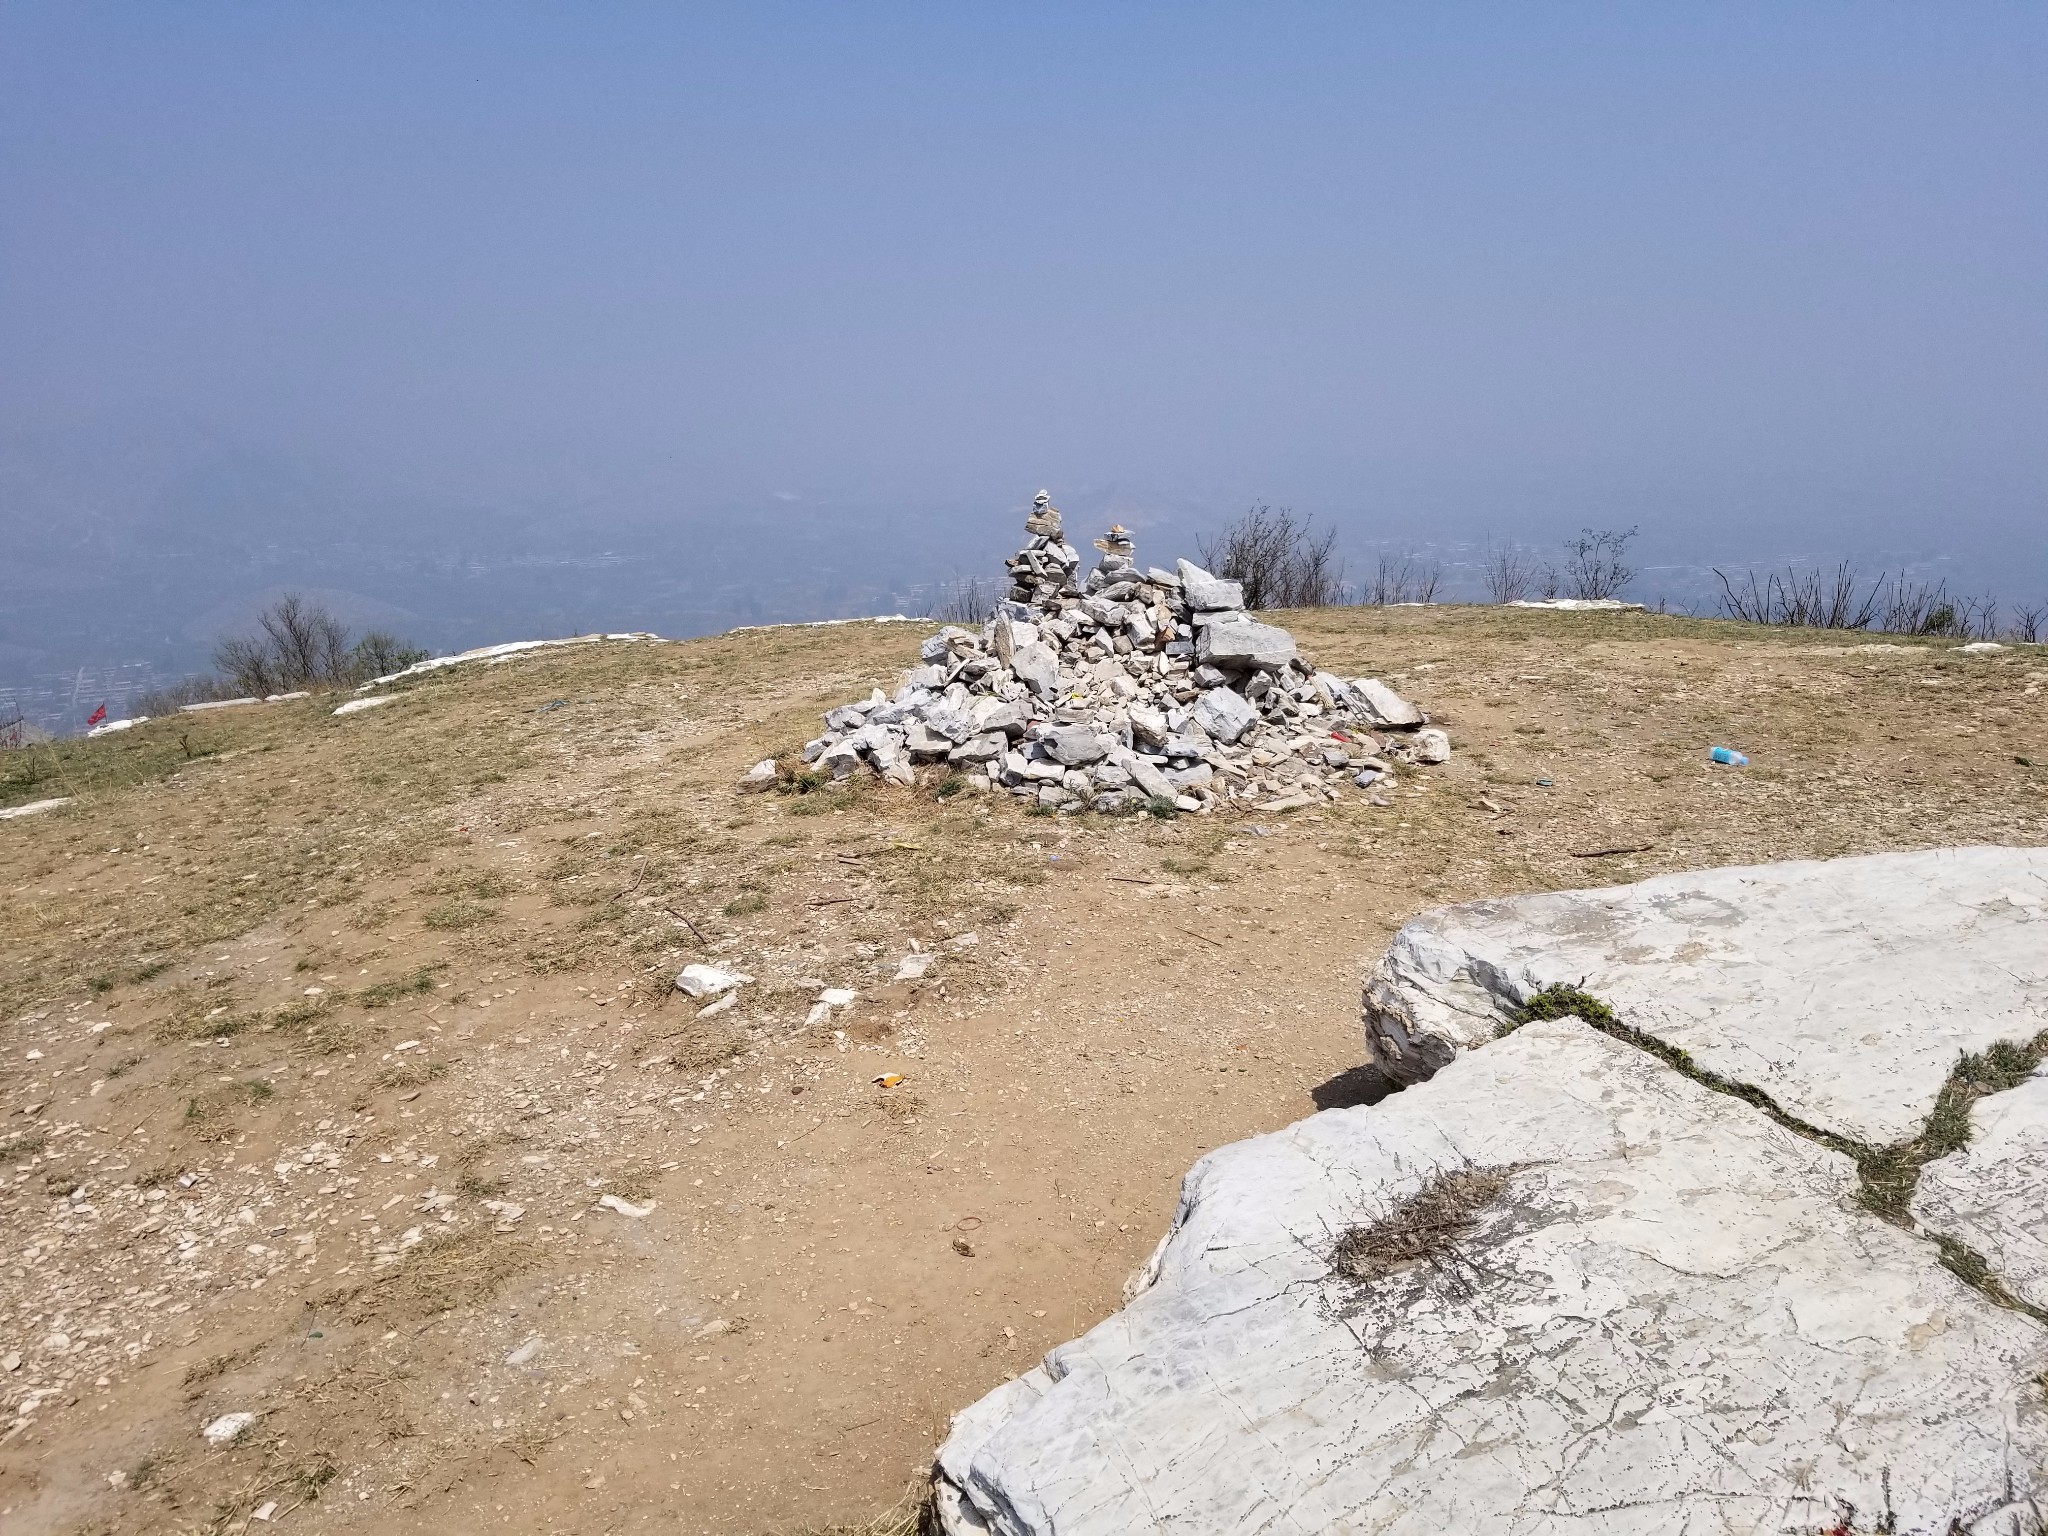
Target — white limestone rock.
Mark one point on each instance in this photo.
(1431, 745)
(33, 808)
(1207, 593)
(1224, 714)
(1675, 1320)
(1993, 1195)
(698, 980)
(1249, 644)
(1844, 989)
(1384, 707)
(1038, 668)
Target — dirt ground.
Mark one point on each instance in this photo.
(326, 1038)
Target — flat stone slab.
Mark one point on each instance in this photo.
(1844, 989)
(1674, 1321)
(1993, 1195)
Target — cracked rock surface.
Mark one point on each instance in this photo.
(1674, 1318)
(1993, 1194)
(1845, 988)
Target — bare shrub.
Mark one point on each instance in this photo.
(380, 653)
(298, 645)
(1595, 567)
(1278, 558)
(1510, 573)
(1812, 600)
(1403, 578)
(1927, 608)
(1895, 606)
(970, 601)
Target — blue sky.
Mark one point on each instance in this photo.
(1768, 280)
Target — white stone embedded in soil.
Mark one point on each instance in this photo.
(699, 980)
(1577, 604)
(1432, 746)
(760, 776)
(1993, 1195)
(833, 1000)
(33, 807)
(1845, 989)
(228, 1428)
(1675, 1320)
(913, 966)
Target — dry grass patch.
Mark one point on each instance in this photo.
(1424, 1227)
(441, 1274)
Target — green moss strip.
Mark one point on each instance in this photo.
(1889, 1175)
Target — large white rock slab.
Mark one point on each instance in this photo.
(1675, 1320)
(1844, 989)
(1993, 1195)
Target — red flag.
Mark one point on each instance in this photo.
(97, 716)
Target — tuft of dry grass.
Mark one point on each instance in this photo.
(915, 1514)
(1423, 1227)
(438, 1276)
(701, 1044)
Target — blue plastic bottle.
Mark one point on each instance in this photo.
(1730, 756)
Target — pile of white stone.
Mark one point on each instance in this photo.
(1123, 688)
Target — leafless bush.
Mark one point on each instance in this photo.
(1595, 567)
(1927, 608)
(1511, 573)
(1279, 560)
(298, 644)
(1403, 579)
(1812, 600)
(380, 653)
(1893, 605)
(970, 601)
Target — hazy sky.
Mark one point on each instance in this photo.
(1766, 279)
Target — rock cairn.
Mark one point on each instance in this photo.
(1125, 687)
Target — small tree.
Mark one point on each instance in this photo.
(1595, 569)
(1403, 579)
(298, 644)
(968, 601)
(380, 653)
(1278, 559)
(1510, 573)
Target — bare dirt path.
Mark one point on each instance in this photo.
(326, 1042)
